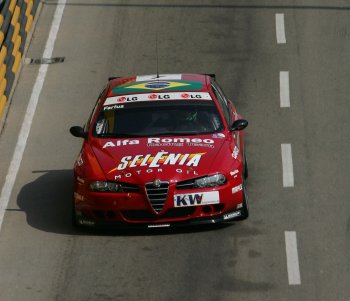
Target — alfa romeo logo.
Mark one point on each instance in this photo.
(156, 183)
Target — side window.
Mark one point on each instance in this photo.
(87, 125)
(223, 102)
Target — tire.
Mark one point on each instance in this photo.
(245, 165)
(245, 208)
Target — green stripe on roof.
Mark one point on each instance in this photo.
(157, 86)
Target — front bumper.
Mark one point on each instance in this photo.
(217, 219)
(135, 210)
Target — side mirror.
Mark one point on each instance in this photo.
(78, 131)
(239, 125)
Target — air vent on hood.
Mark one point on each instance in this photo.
(128, 187)
(188, 184)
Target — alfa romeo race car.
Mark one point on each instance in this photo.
(160, 151)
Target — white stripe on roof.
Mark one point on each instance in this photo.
(141, 78)
(157, 96)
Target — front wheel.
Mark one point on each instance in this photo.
(245, 208)
(245, 165)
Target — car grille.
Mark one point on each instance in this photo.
(157, 195)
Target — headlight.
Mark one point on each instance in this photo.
(211, 181)
(104, 186)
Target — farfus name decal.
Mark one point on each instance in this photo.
(159, 159)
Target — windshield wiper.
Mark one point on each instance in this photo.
(173, 134)
(131, 135)
(120, 135)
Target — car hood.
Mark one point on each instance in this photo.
(141, 160)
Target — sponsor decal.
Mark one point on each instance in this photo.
(127, 98)
(218, 135)
(78, 197)
(233, 173)
(231, 215)
(151, 170)
(120, 143)
(114, 107)
(160, 96)
(191, 96)
(154, 141)
(99, 126)
(156, 96)
(236, 188)
(196, 199)
(235, 152)
(190, 170)
(86, 222)
(80, 180)
(119, 99)
(239, 206)
(165, 144)
(80, 160)
(178, 140)
(158, 226)
(200, 145)
(159, 159)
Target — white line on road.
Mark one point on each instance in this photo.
(280, 31)
(287, 165)
(292, 258)
(29, 115)
(284, 89)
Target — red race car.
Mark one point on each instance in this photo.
(160, 151)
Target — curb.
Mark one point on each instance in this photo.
(17, 20)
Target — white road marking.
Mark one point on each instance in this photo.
(284, 89)
(29, 115)
(280, 31)
(287, 165)
(292, 258)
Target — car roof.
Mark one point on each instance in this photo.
(162, 83)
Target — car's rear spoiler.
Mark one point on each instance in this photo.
(209, 74)
(113, 77)
(212, 75)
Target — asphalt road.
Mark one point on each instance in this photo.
(43, 258)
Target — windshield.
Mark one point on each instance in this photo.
(158, 118)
